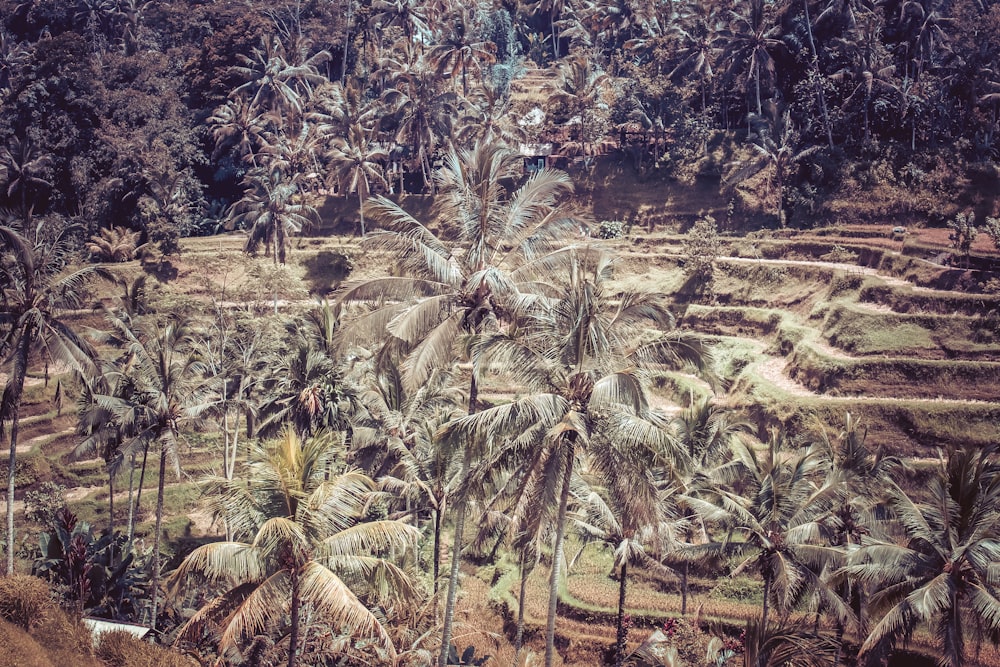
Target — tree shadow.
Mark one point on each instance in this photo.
(326, 270)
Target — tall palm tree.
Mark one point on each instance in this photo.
(160, 359)
(628, 518)
(269, 211)
(357, 163)
(421, 111)
(751, 39)
(237, 127)
(34, 290)
(460, 49)
(303, 544)
(871, 72)
(864, 478)
(577, 349)
(460, 288)
(940, 570)
(699, 31)
(580, 89)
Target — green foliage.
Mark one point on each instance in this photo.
(96, 573)
(611, 229)
(739, 589)
(963, 233)
(702, 246)
(43, 502)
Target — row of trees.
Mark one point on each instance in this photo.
(392, 409)
(101, 121)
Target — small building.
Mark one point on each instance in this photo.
(536, 156)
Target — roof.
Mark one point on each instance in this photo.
(99, 626)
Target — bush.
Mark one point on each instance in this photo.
(119, 648)
(740, 589)
(611, 229)
(23, 600)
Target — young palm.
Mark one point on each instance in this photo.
(579, 352)
(303, 546)
(33, 292)
(942, 569)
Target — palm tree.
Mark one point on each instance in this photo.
(356, 161)
(863, 478)
(22, 167)
(700, 32)
(160, 361)
(269, 211)
(488, 118)
(406, 14)
(421, 113)
(303, 545)
(461, 287)
(750, 41)
(33, 292)
(272, 81)
(460, 49)
(580, 90)
(707, 433)
(628, 518)
(870, 72)
(577, 350)
(775, 148)
(940, 569)
(236, 126)
(781, 514)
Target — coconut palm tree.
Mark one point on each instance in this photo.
(576, 348)
(460, 288)
(871, 72)
(303, 545)
(460, 49)
(627, 517)
(357, 164)
(421, 112)
(781, 514)
(22, 169)
(774, 146)
(750, 41)
(34, 290)
(939, 566)
(272, 82)
(269, 211)
(235, 126)
(159, 359)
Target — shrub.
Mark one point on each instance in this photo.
(119, 648)
(740, 589)
(23, 600)
(43, 503)
(611, 229)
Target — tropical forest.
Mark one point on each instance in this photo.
(424, 333)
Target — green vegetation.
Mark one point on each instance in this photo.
(448, 417)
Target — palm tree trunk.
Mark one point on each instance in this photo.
(456, 552)
(293, 639)
(819, 86)
(622, 635)
(156, 537)
(361, 212)
(111, 512)
(550, 627)
(138, 495)
(17, 387)
(437, 558)
(522, 594)
(12, 463)
(767, 601)
(131, 507)
(684, 589)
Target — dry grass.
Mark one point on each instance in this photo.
(118, 648)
